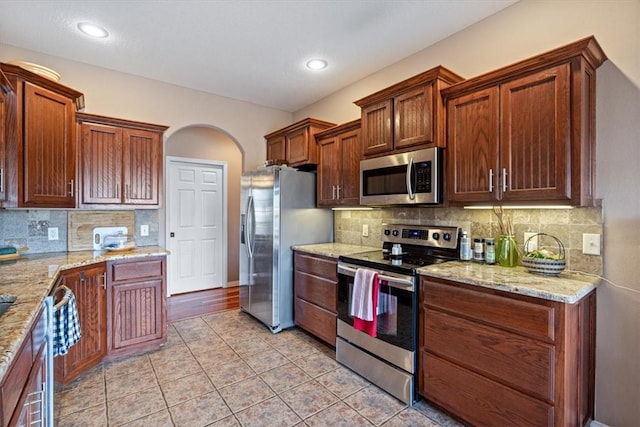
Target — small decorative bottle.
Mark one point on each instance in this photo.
(490, 250)
(465, 247)
(478, 250)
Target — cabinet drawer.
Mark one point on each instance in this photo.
(121, 271)
(316, 290)
(16, 378)
(316, 320)
(534, 320)
(511, 359)
(479, 400)
(322, 267)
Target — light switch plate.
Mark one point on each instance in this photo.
(591, 244)
(144, 230)
(533, 243)
(53, 233)
(365, 230)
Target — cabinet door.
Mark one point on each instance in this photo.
(142, 163)
(413, 118)
(32, 409)
(376, 128)
(137, 312)
(49, 149)
(349, 173)
(297, 146)
(3, 116)
(101, 164)
(472, 146)
(88, 285)
(327, 172)
(276, 149)
(536, 136)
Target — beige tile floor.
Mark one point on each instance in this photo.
(226, 369)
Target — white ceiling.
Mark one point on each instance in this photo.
(249, 50)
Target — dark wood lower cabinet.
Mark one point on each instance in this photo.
(315, 295)
(122, 312)
(89, 286)
(493, 358)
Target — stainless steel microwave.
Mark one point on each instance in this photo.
(407, 178)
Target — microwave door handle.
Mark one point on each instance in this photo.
(410, 167)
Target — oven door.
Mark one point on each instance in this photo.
(397, 306)
(406, 178)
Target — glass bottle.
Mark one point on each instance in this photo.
(507, 248)
(490, 250)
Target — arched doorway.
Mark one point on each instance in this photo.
(203, 145)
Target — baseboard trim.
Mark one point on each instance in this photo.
(192, 304)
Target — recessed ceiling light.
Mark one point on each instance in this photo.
(93, 30)
(317, 64)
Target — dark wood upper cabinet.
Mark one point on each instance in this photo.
(407, 115)
(525, 133)
(5, 90)
(40, 141)
(295, 144)
(120, 162)
(338, 181)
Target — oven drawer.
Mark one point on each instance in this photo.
(526, 318)
(316, 320)
(512, 359)
(317, 266)
(479, 400)
(316, 290)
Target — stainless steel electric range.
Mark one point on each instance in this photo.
(389, 359)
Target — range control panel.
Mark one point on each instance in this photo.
(435, 236)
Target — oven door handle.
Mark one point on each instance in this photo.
(394, 282)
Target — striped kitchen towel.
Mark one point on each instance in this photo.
(66, 325)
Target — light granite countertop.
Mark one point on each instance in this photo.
(333, 250)
(566, 287)
(31, 278)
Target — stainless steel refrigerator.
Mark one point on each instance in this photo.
(278, 210)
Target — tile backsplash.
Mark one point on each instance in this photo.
(28, 228)
(567, 225)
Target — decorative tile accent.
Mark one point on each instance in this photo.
(201, 411)
(374, 404)
(186, 388)
(338, 415)
(268, 413)
(245, 393)
(308, 399)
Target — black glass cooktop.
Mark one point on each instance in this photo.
(407, 264)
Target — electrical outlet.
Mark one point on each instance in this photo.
(533, 243)
(144, 230)
(365, 230)
(53, 233)
(591, 244)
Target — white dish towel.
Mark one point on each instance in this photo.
(362, 296)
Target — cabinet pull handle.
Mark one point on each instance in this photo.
(117, 191)
(104, 280)
(333, 192)
(1, 180)
(504, 180)
(72, 188)
(338, 192)
(490, 180)
(126, 191)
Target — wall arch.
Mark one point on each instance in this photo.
(208, 142)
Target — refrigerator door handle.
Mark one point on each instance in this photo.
(248, 228)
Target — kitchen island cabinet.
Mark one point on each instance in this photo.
(525, 132)
(315, 295)
(295, 145)
(339, 165)
(40, 154)
(417, 111)
(120, 162)
(496, 358)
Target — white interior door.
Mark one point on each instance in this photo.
(196, 225)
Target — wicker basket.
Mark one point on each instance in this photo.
(549, 267)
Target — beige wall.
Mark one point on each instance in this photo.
(527, 28)
(198, 142)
